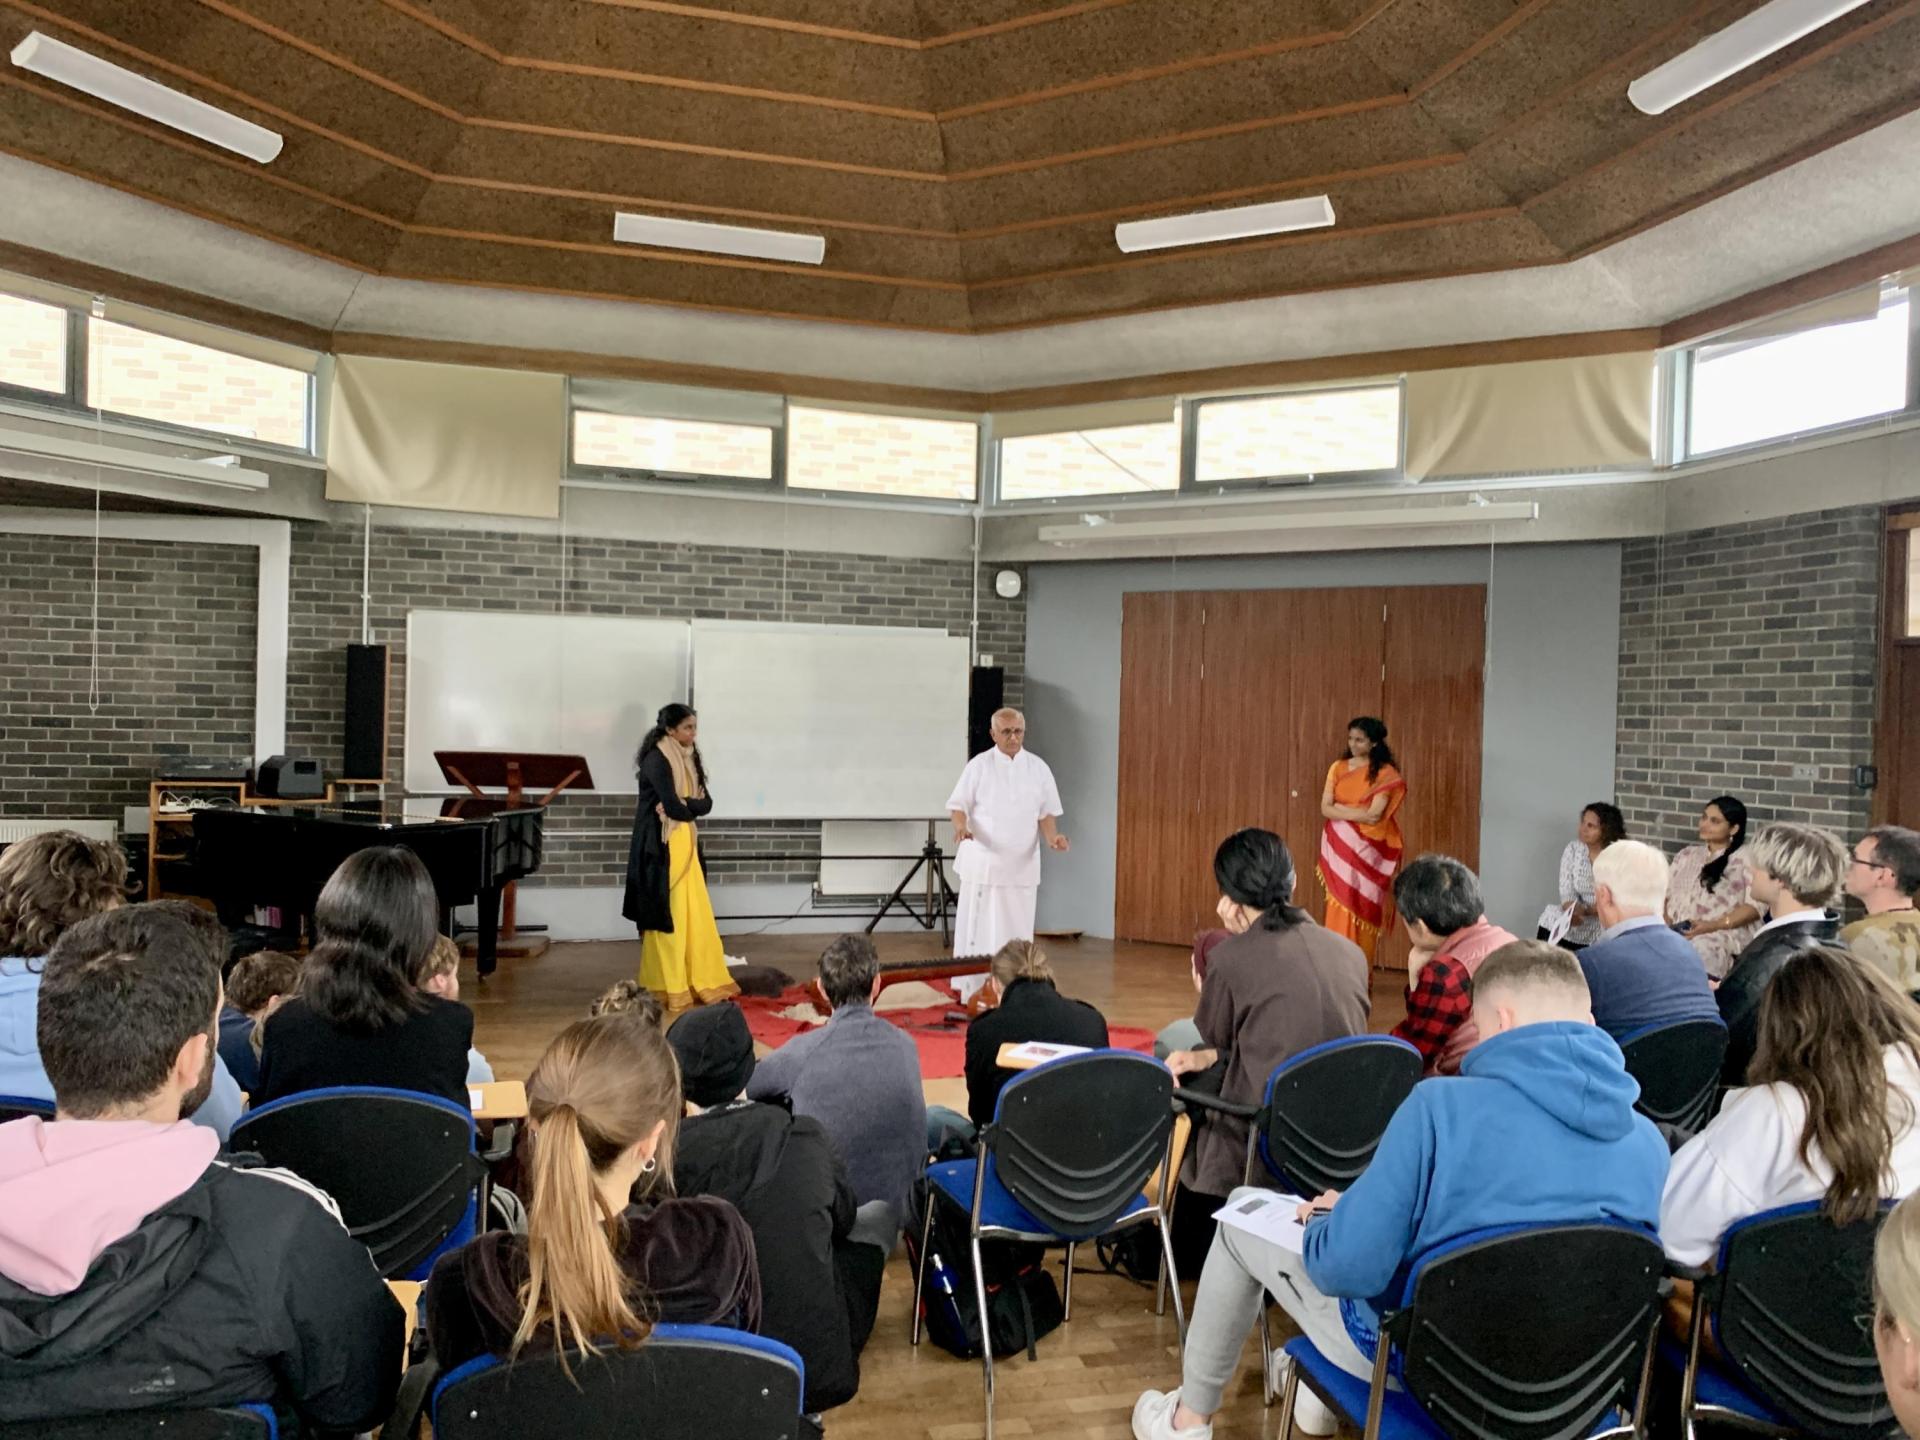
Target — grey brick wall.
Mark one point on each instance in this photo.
(450, 569)
(176, 668)
(1746, 650)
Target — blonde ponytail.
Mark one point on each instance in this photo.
(603, 1084)
(1021, 960)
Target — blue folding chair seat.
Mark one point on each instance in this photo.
(19, 1107)
(1001, 1212)
(1718, 1387)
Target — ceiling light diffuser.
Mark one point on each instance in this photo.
(116, 85)
(742, 240)
(1749, 39)
(1205, 227)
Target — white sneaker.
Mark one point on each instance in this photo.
(1153, 1419)
(1310, 1413)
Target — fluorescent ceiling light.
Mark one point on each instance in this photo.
(1474, 514)
(745, 240)
(1204, 227)
(1749, 39)
(60, 61)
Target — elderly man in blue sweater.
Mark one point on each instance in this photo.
(1537, 1128)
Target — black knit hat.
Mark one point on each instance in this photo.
(715, 1050)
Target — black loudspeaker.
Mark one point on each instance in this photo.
(364, 748)
(986, 695)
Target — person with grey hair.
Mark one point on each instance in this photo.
(859, 1077)
(1445, 918)
(1797, 874)
(1641, 971)
(1003, 808)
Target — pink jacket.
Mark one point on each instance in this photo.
(1469, 946)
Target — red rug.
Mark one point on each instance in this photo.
(942, 1047)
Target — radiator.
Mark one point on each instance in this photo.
(15, 830)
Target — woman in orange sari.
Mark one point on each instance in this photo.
(1360, 844)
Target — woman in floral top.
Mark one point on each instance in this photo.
(1600, 825)
(1707, 890)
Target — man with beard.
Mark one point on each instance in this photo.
(138, 1267)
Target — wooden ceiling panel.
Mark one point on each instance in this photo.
(1364, 205)
(1270, 91)
(709, 282)
(1279, 265)
(965, 159)
(817, 62)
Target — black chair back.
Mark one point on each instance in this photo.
(1678, 1069)
(685, 1383)
(1328, 1106)
(19, 1107)
(1074, 1140)
(1531, 1334)
(236, 1422)
(1791, 1305)
(400, 1165)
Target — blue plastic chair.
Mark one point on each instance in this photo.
(1677, 1067)
(399, 1164)
(19, 1107)
(228, 1422)
(687, 1382)
(1066, 1159)
(1483, 1346)
(1789, 1300)
(1319, 1122)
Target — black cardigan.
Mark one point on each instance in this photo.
(648, 882)
(1740, 994)
(1030, 1010)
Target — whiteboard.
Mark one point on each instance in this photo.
(564, 684)
(830, 722)
(904, 838)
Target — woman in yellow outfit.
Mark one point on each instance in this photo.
(681, 958)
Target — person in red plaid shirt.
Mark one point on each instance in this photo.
(1439, 903)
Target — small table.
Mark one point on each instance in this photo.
(407, 1292)
(498, 1100)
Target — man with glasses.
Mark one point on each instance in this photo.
(1883, 877)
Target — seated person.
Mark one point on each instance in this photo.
(819, 1260)
(256, 987)
(628, 997)
(1828, 1112)
(859, 1077)
(1797, 870)
(1641, 971)
(1028, 1007)
(138, 1269)
(1181, 1034)
(441, 976)
(1896, 1319)
(1445, 919)
(1883, 877)
(1280, 985)
(602, 1106)
(1538, 1127)
(359, 1018)
(48, 883)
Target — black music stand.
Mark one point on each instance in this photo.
(940, 898)
(513, 771)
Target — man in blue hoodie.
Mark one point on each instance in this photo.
(1537, 1128)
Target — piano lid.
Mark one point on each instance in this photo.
(392, 814)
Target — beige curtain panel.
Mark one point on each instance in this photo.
(1588, 413)
(1100, 415)
(446, 437)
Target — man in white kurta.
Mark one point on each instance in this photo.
(1003, 809)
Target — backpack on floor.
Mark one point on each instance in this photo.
(1023, 1303)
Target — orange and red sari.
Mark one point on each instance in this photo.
(1358, 857)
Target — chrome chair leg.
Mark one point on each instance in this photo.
(1287, 1396)
(1266, 1363)
(986, 1334)
(1173, 1277)
(920, 1270)
(1066, 1299)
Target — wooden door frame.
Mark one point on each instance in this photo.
(1902, 526)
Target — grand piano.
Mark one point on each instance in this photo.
(282, 855)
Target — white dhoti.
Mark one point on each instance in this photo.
(988, 917)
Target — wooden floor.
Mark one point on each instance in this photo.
(1092, 1368)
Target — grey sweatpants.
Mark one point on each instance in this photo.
(1239, 1270)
